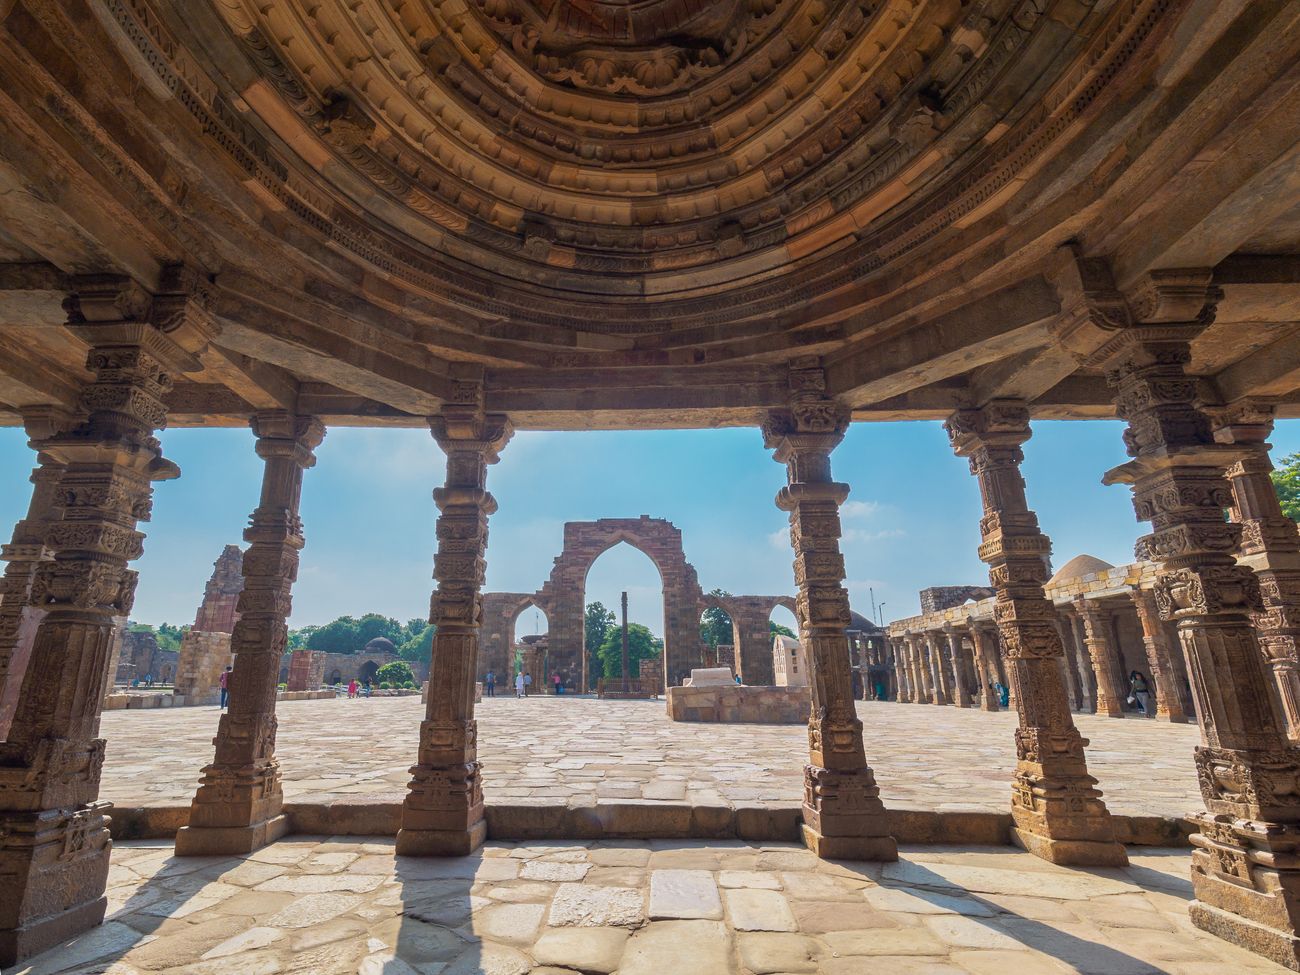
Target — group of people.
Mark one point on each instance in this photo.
(356, 690)
(523, 683)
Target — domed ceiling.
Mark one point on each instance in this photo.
(551, 154)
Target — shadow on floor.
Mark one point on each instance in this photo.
(296, 906)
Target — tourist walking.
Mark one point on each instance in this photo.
(555, 679)
(225, 687)
(490, 683)
(528, 682)
(1139, 692)
(519, 684)
(1004, 695)
(352, 689)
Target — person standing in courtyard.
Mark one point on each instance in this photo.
(225, 687)
(1139, 692)
(490, 683)
(352, 689)
(528, 682)
(555, 680)
(519, 684)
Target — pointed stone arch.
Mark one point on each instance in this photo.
(566, 589)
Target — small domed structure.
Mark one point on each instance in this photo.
(380, 644)
(1080, 565)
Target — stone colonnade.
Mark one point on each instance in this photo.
(54, 839)
(1108, 624)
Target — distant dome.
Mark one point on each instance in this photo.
(1080, 565)
(380, 644)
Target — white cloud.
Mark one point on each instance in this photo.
(780, 539)
(859, 509)
(861, 535)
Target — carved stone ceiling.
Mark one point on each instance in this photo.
(631, 166)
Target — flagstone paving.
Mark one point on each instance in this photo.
(338, 907)
(581, 750)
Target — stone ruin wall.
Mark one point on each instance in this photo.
(205, 649)
(938, 598)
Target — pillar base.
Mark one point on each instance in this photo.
(441, 842)
(1072, 853)
(44, 933)
(878, 849)
(1282, 947)
(198, 841)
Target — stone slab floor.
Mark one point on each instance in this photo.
(580, 750)
(326, 906)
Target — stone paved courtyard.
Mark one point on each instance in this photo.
(579, 750)
(336, 907)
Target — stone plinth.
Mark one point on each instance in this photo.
(203, 657)
(712, 677)
(739, 704)
(636, 689)
(424, 692)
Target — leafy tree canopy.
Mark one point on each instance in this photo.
(776, 629)
(1286, 482)
(350, 635)
(397, 673)
(168, 635)
(418, 646)
(715, 624)
(641, 645)
(598, 623)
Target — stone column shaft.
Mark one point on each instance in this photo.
(1169, 705)
(1058, 811)
(54, 841)
(237, 807)
(1111, 687)
(986, 649)
(960, 692)
(1246, 856)
(443, 811)
(1270, 544)
(23, 556)
(842, 812)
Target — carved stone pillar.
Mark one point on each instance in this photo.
(237, 807)
(902, 680)
(940, 678)
(1111, 686)
(23, 556)
(443, 811)
(960, 691)
(1169, 705)
(54, 841)
(1083, 662)
(842, 812)
(986, 648)
(1057, 808)
(920, 670)
(1246, 861)
(1270, 544)
(1068, 673)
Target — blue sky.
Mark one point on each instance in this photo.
(911, 522)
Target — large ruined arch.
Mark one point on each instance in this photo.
(497, 630)
(566, 590)
(750, 633)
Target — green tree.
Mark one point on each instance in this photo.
(775, 629)
(397, 673)
(298, 638)
(598, 622)
(1286, 482)
(641, 645)
(169, 636)
(418, 646)
(715, 623)
(340, 636)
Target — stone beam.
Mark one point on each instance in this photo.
(260, 384)
(409, 379)
(1000, 325)
(1272, 371)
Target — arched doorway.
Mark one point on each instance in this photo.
(622, 567)
(368, 671)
